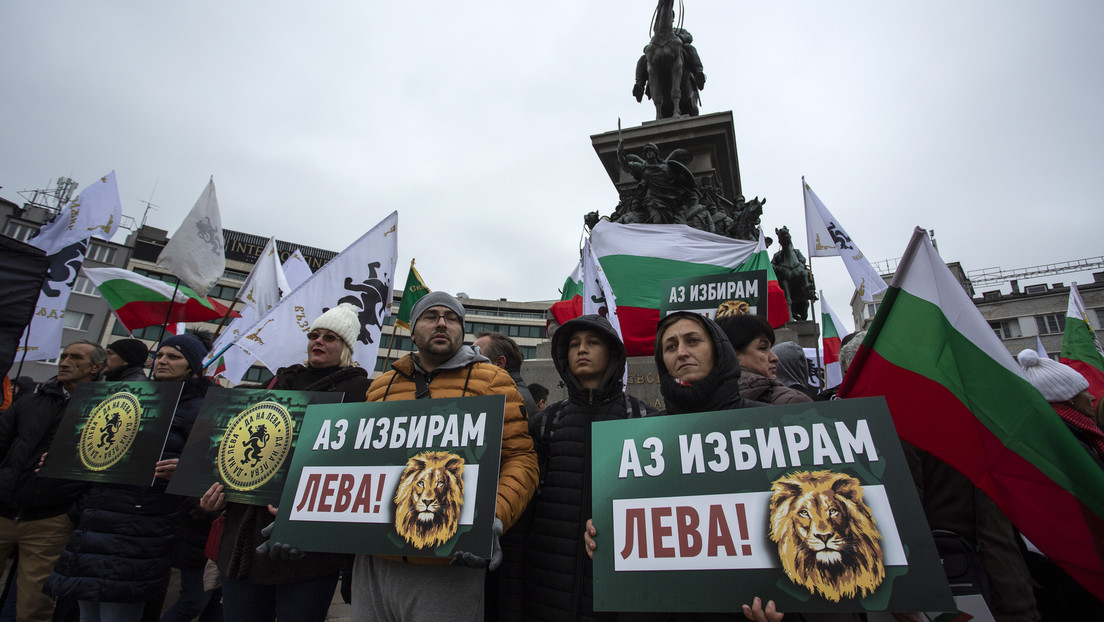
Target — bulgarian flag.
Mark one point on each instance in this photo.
(1080, 347)
(830, 325)
(570, 305)
(955, 391)
(636, 258)
(140, 301)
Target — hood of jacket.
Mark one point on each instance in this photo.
(611, 386)
(717, 391)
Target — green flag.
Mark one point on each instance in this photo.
(415, 289)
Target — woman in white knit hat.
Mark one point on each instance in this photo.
(1068, 393)
(278, 582)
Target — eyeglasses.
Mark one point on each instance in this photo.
(327, 337)
(433, 318)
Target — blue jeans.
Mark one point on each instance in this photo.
(302, 601)
(192, 599)
(91, 611)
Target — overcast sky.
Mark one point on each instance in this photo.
(981, 120)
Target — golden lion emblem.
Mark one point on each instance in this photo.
(732, 307)
(827, 538)
(429, 497)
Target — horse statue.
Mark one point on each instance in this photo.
(670, 71)
(793, 276)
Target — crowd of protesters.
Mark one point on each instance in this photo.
(103, 552)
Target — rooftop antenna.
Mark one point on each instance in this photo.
(149, 204)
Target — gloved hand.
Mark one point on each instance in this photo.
(277, 551)
(471, 560)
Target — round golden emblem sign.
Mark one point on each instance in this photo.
(110, 430)
(256, 443)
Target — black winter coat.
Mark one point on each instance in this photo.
(241, 533)
(558, 572)
(26, 430)
(123, 546)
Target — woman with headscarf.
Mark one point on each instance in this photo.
(259, 585)
(752, 337)
(121, 552)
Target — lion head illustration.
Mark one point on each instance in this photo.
(429, 497)
(827, 538)
(733, 307)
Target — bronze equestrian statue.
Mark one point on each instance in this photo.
(670, 71)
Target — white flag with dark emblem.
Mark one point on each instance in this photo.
(598, 298)
(42, 338)
(195, 253)
(827, 238)
(95, 212)
(362, 275)
(235, 361)
(266, 283)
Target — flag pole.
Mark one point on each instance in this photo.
(821, 372)
(229, 312)
(168, 314)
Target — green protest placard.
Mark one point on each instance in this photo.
(415, 478)
(809, 505)
(733, 293)
(113, 432)
(244, 439)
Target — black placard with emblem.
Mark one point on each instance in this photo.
(244, 439)
(113, 432)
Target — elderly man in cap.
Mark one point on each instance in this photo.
(421, 588)
(126, 360)
(34, 510)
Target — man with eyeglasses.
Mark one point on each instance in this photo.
(429, 588)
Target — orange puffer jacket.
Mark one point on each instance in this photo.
(519, 473)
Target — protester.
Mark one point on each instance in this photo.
(265, 585)
(752, 337)
(419, 588)
(34, 517)
(793, 367)
(540, 394)
(126, 360)
(505, 353)
(121, 552)
(1068, 394)
(698, 372)
(590, 358)
(1059, 596)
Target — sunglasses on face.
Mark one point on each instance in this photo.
(326, 337)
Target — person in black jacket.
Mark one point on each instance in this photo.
(126, 360)
(590, 358)
(121, 552)
(260, 585)
(34, 510)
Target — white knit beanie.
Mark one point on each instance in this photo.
(1057, 382)
(343, 320)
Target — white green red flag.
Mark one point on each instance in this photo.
(140, 301)
(831, 326)
(571, 300)
(1080, 347)
(637, 258)
(827, 238)
(955, 391)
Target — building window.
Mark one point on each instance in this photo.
(150, 333)
(223, 292)
(1006, 329)
(872, 309)
(256, 374)
(19, 231)
(101, 253)
(85, 286)
(1099, 317)
(76, 320)
(1051, 324)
